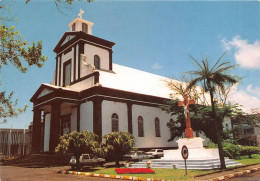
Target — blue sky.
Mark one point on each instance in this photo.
(154, 36)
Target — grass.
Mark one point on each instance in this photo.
(166, 174)
(247, 161)
(171, 174)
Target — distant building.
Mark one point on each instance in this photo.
(247, 134)
(15, 141)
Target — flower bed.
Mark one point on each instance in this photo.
(133, 170)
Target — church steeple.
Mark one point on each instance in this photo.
(79, 24)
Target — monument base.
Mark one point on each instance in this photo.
(199, 157)
(196, 150)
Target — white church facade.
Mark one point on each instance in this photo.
(90, 92)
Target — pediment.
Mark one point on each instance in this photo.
(44, 92)
(67, 39)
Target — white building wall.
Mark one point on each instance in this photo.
(47, 132)
(150, 140)
(110, 107)
(84, 84)
(90, 51)
(86, 116)
(73, 121)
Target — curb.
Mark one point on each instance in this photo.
(112, 176)
(235, 174)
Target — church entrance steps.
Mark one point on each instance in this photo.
(191, 164)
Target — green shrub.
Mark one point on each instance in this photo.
(249, 151)
(231, 150)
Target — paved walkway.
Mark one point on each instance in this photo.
(223, 173)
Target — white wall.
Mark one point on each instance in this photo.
(86, 116)
(150, 140)
(84, 84)
(110, 107)
(47, 132)
(90, 51)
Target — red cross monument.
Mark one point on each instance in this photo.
(185, 103)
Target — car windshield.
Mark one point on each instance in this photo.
(85, 157)
(130, 153)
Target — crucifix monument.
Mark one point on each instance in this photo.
(185, 103)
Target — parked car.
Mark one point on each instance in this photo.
(155, 153)
(136, 156)
(86, 160)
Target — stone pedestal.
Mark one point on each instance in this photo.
(196, 150)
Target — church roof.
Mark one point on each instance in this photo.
(137, 81)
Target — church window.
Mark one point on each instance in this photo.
(66, 73)
(97, 62)
(114, 120)
(73, 27)
(140, 126)
(157, 127)
(85, 27)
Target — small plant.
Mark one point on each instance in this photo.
(249, 151)
(148, 164)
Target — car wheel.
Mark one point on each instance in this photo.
(101, 164)
(156, 156)
(73, 167)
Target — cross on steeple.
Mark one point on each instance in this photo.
(80, 13)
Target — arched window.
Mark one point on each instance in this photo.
(140, 126)
(157, 127)
(114, 121)
(85, 27)
(97, 62)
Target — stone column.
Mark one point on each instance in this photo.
(129, 115)
(78, 117)
(55, 127)
(36, 131)
(97, 116)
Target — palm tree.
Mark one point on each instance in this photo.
(211, 78)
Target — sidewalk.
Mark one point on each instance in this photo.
(229, 173)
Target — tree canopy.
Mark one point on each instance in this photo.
(79, 143)
(118, 144)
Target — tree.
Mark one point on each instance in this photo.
(118, 144)
(79, 143)
(211, 78)
(17, 51)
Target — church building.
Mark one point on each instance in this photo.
(90, 92)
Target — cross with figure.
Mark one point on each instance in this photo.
(80, 13)
(185, 103)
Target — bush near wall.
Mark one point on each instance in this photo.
(234, 151)
(249, 151)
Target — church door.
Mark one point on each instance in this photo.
(65, 121)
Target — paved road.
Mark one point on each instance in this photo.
(250, 177)
(9, 173)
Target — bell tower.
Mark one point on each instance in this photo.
(79, 24)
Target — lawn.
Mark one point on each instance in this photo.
(246, 161)
(170, 174)
(166, 174)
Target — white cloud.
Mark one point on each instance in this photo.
(252, 90)
(246, 54)
(157, 66)
(244, 98)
